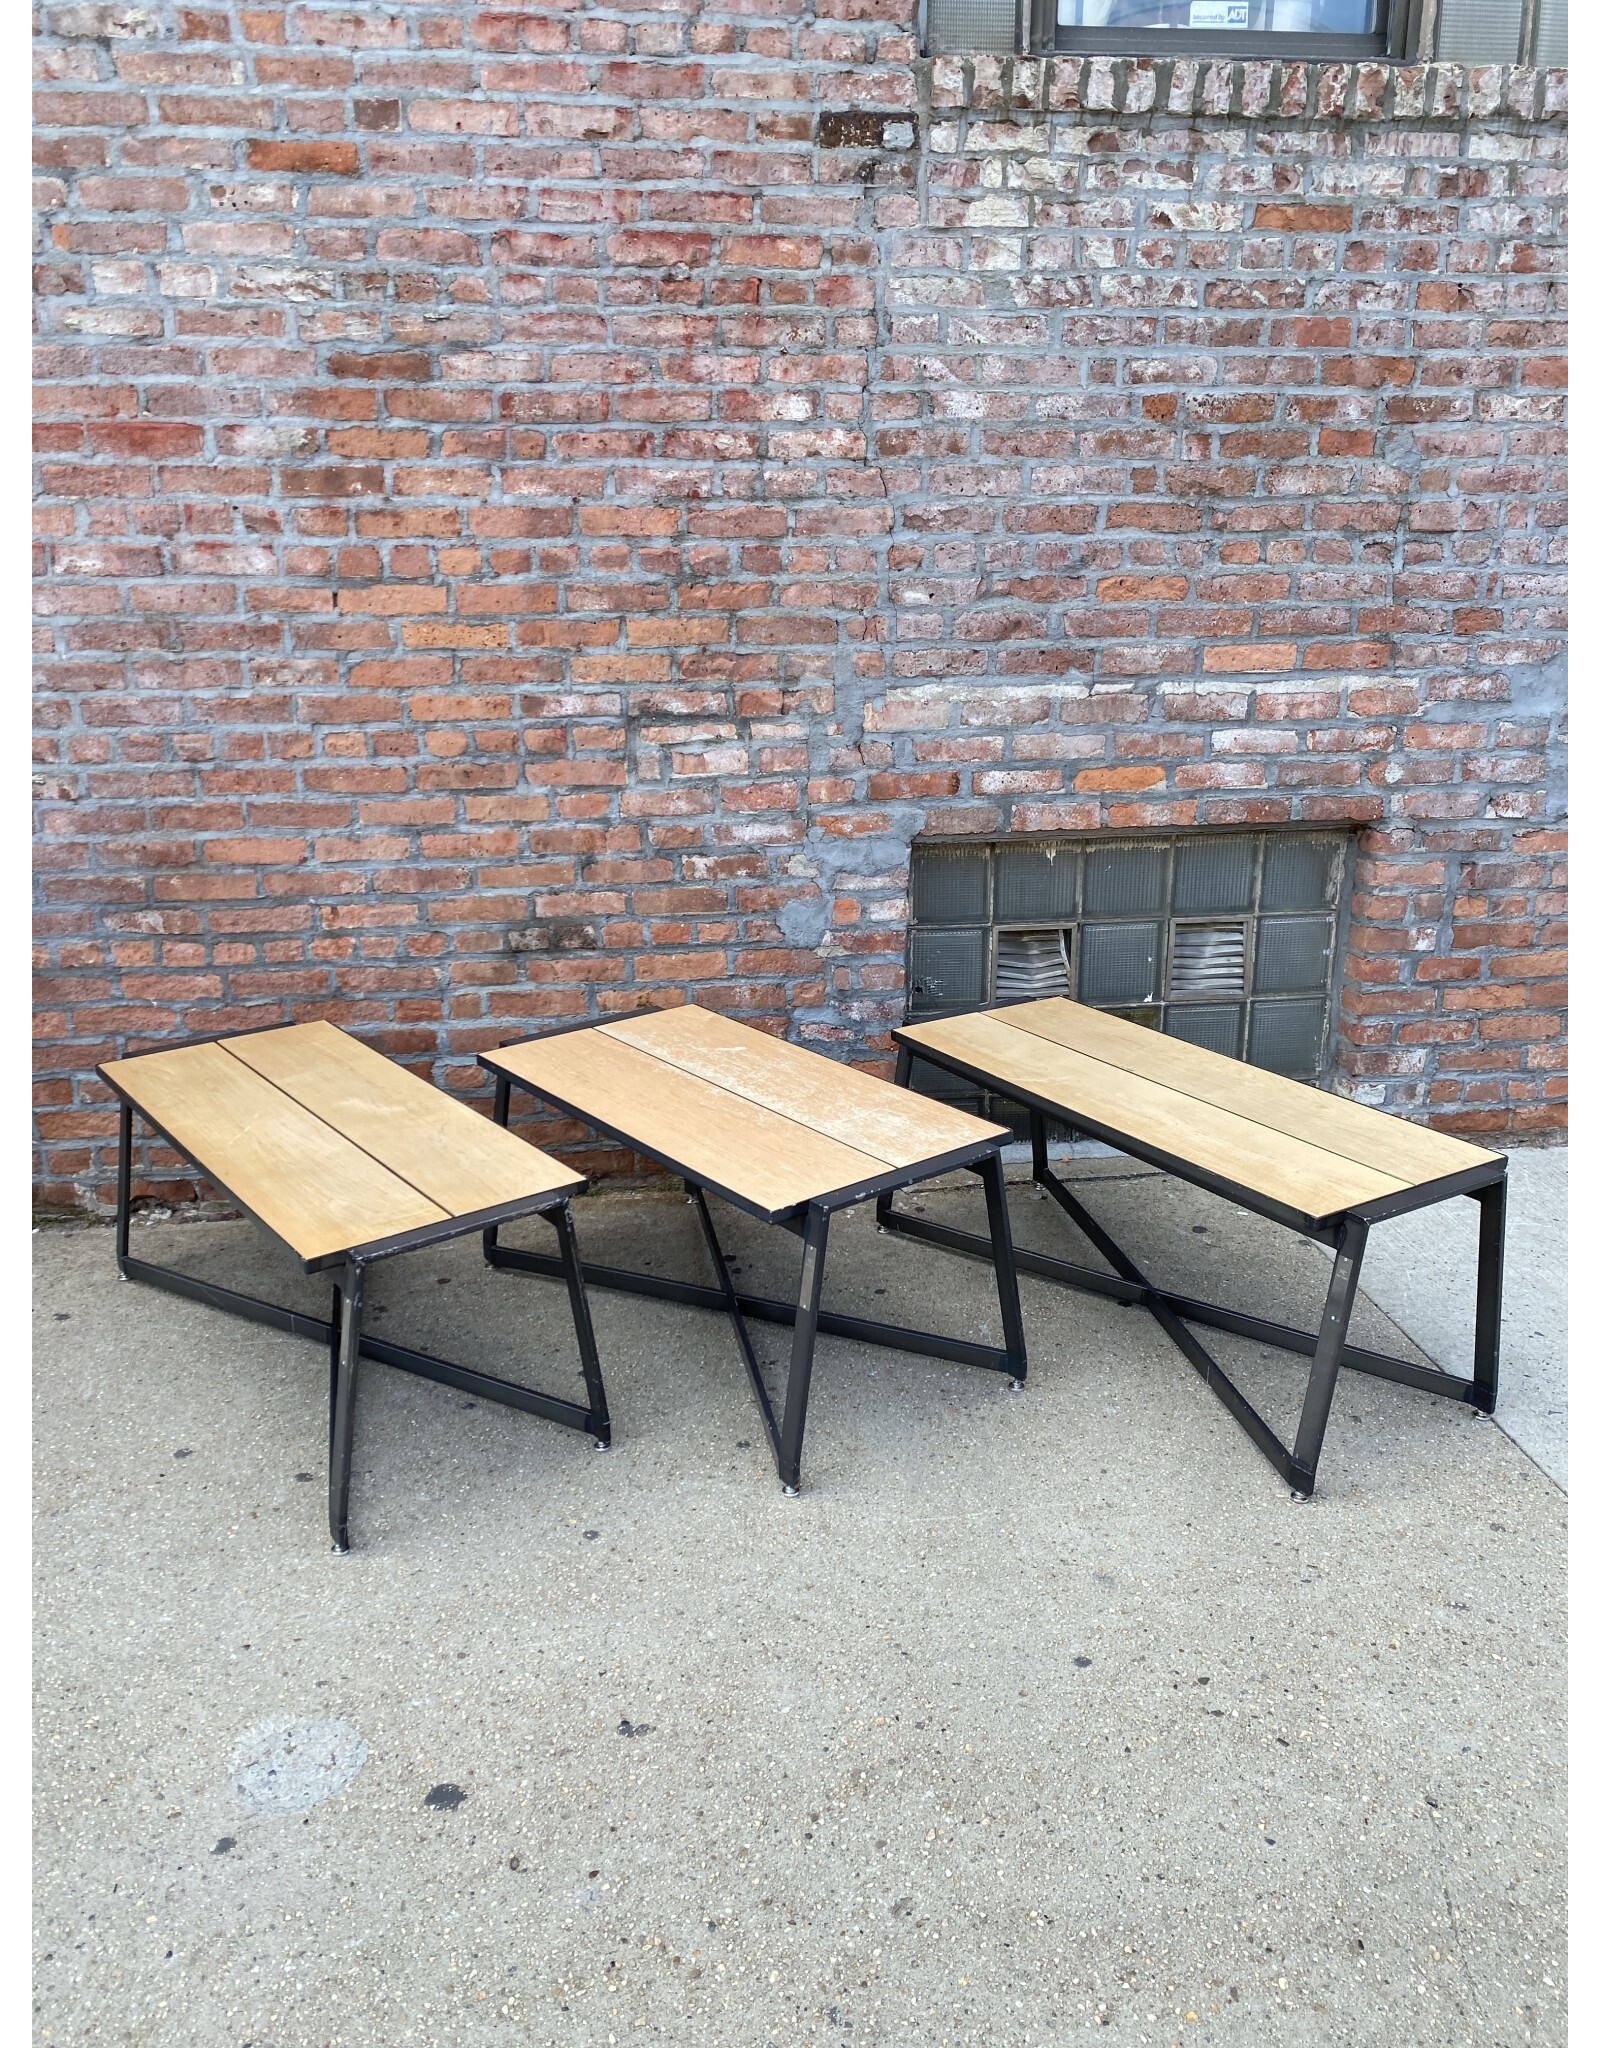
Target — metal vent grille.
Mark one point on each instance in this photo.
(1207, 960)
(1028, 965)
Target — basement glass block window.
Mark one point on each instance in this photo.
(1225, 939)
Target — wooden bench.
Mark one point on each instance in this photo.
(346, 1159)
(784, 1135)
(1317, 1163)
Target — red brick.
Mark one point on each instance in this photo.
(1303, 219)
(489, 499)
(332, 159)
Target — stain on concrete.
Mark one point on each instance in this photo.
(294, 1764)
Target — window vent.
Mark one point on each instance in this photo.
(1028, 965)
(1208, 960)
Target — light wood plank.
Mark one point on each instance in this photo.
(1410, 1151)
(709, 1134)
(454, 1156)
(860, 1110)
(1303, 1177)
(314, 1189)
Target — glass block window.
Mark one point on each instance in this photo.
(1224, 939)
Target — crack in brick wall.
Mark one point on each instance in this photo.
(622, 475)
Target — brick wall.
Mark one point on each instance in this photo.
(540, 507)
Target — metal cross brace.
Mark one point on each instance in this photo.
(1328, 1347)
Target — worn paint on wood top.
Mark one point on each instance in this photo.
(772, 1124)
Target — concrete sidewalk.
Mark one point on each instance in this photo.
(1035, 1716)
(1422, 1270)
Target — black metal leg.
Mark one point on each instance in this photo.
(502, 1116)
(884, 1206)
(1125, 1283)
(344, 1412)
(806, 1317)
(124, 1183)
(335, 1334)
(343, 1336)
(730, 1301)
(1036, 1141)
(1329, 1356)
(1491, 1280)
(807, 1306)
(1005, 1266)
(588, 1353)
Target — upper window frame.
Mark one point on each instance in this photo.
(1398, 21)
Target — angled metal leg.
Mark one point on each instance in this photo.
(883, 1208)
(344, 1407)
(335, 1334)
(1329, 1356)
(807, 1306)
(806, 1317)
(588, 1353)
(1038, 1146)
(730, 1301)
(1491, 1281)
(1005, 1266)
(502, 1116)
(1327, 1347)
(787, 1440)
(124, 1184)
(992, 1174)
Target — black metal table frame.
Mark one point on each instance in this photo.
(342, 1332)
(809, 1222)
(1327, 1347)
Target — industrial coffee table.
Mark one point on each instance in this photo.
(346, 1159)
(784, 1135)
(1319, 1164)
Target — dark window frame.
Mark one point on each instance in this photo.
(1410, 35)
(1395, 36)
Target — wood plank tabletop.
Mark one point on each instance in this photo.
(451, 1153)
(772, 1124)
(1373, 1136)
(860, 1110)
(1292, 1144)
(331, 1145)
(313, 1188)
